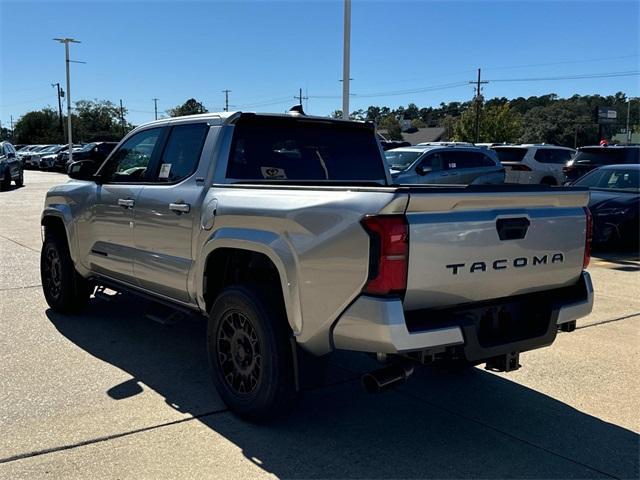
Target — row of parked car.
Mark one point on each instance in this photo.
(56, 157)
(489, 164)
(612, 173)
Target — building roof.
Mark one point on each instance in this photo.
(422, 135)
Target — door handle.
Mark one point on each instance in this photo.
(180, 207)
(126, 202)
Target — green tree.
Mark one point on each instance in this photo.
(412, 112)
(190, 107)
(41, 126)
(497, 124)
(99, 120)
(391, 124)
(5, 134)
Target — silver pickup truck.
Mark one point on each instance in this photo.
(286, 232)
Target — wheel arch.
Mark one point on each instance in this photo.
(248, 247)
(59, 220)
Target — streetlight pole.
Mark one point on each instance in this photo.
(346, 59)
(66, 42)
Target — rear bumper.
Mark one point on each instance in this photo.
(374, 324)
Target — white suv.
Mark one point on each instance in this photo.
(534, 163)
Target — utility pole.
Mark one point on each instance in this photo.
(60, 95)
(66, 42)
(226, 99)
(121, 118)
(11, 120)
(299, 97)
(478, 101)
(628, 114)
(155, 106)
(346, 53)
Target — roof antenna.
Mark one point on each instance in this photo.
(296, 110)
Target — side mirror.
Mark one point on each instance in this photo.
(82, 170)
(422, 170)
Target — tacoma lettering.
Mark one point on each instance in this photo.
(503, 263)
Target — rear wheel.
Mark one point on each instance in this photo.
(6, 180)
(248, 341)
(548, 181)
(64, 289)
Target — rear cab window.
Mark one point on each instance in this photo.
(273, 149)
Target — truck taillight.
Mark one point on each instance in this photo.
(388, 254)
(588, 236)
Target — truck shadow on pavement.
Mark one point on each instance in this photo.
(468, 425)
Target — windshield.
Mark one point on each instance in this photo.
(401, 159)
(87, 147)
(600, 156)
(510, 154)
(611, 179)
(297, 149)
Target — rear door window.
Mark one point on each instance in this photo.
(455, 160)
(182, 152)
(510, 154)
(600, 156)
(281, 149)
(552, 155)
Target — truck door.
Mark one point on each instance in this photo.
(106, 239)
(167, 212)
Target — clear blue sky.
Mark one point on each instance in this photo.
(264, 51)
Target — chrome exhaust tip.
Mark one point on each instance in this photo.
(387, 377)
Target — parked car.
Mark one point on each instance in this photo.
(284, 234)
(96, 151)
(32, 159)
(389, 144)
(10, 167)
(614, 204)
(25, 154)
(588, 158)
(533, 163)
(444, 164)
(52, 159)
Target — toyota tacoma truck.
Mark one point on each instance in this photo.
(286, 234)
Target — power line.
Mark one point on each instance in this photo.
(629, 73)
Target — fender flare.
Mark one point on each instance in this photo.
(267, 243)
(63, 212)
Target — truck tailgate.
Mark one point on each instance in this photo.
(470, 246)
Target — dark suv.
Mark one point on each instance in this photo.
(96, 151)
(10, 167)
(588, 158)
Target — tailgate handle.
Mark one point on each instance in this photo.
(512, 228)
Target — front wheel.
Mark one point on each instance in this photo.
(64, 289)
(250, 353)
(20, 180)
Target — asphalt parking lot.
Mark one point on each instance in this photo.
(112, 394)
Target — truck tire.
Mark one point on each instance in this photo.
(250, 355)
(6, 181)
(64, 289)
(20, 180)
(549, 181)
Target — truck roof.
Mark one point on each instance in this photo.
(226, 118)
